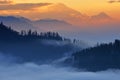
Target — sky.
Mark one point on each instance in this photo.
(88, 7)
(87, 16)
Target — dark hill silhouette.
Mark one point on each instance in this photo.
(6, 33)
(101, 57)
(30, 46)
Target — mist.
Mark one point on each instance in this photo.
(32, 71)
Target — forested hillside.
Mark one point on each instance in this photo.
(100, 57)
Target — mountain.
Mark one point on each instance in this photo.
(95, 25)
(101, 18)
(98, 58)
(60, 12)
(17, 23)
(34, 47)
(52, 25)
(63, 12)
(101, 15)
(21, 23)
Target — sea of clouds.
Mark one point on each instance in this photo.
(32, 71)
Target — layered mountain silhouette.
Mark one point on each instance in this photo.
(21, 23)
(104, 24)
(57, 24)
(65, 13)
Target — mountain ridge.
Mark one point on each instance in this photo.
(99, 58)
(28, 46)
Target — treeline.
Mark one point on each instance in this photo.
(6, 33)
(100, 57)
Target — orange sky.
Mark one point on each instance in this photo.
(85, 13)
(89, 7)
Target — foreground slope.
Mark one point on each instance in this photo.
(101, 57)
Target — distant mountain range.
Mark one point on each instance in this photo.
(56, 24)
(52, 25)
(59, 18)
(21, 23)
(95, 25)
(63, 12)
(17, 23)
(60, 11)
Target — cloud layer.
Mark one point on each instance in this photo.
(10, 5)
(113, 1)
(31, 71)
(5, 2)
(23, 6)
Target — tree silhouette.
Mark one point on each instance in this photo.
(100, 57)
(8, 33)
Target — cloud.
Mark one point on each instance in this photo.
(5, 2)
(22, 6)
(113, 1)
(31, 71)
(118, 0)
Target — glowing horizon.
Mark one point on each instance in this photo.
(88, 7)
(81, 15)
(75, 9)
